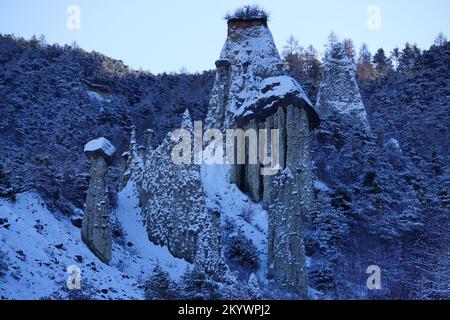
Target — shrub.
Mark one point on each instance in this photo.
(197, 285)
(86, 292)
(6, 190)
(118, 233)
(253, 288)
(159, 286)
(3, 263)
(247, 213)
(249, 12)
(241, 254)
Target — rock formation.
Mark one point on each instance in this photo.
(248, 56)
(135, 160)
(345, 133)
(174, 206)
(96, 229)
(277, 104)
(339, 94)
(251, 92)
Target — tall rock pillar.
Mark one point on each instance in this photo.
(96, 227)
(252, 92)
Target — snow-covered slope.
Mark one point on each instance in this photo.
(232, 202)
(128, 214)
(41, 245)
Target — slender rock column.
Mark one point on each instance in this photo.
(149, 133)
(96, 227)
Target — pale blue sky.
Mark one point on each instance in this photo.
(166, 35)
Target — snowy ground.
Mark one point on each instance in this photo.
(129, 216)
(41, 245)
(232, 203)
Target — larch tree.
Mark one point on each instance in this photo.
(364, 67)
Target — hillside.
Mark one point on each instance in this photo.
(379, 161)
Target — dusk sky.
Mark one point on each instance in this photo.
(167, 35)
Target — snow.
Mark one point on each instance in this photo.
(129, 215)
(232, 203)
(37, 268)
(393, 144)
(273, 93)
(320, 185)
(41, 270)
(102, 144)
(97, 96)
(279, 87)
(253, 44)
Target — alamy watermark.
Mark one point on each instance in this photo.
(236, 146)
(74, 19)
(74, 279)
(374, 280)
(374, 19)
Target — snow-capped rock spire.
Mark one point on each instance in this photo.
(345, 132)
(96, 228)
(248, 56)
(339, 96)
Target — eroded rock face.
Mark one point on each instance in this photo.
(174, 207)
(96, 228)
(291, 200)
(286, 255)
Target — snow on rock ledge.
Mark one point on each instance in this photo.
(275, 92)
(100, 145)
